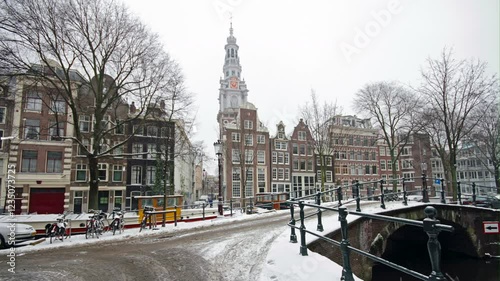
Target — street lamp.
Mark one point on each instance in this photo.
(425, 195)
(218, 152)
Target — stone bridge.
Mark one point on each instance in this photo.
(379, 237)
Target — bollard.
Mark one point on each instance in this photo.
(433, 245)
(474, 193)
(459, 193)
(318, 202)
(339, 195)
(382, 204)
(443, 200)
(203, 211)
(175, 215)
(344, 246)
(405, 195)
(358, 208)
(303, 246)
(425, 195)
(231, 206)
(293, 236)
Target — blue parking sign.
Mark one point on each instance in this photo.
(437, 181)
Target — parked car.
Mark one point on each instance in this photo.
(17, 234)
(487, 201)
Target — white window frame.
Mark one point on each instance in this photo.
(136, 175)
(235, 137)
(3, 114)
(84, 119)
(100, 168)
(261, 139)
(80, 168)
(117, 169)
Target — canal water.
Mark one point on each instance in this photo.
(455, 266)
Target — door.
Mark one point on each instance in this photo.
(46, 200)
(103, 200)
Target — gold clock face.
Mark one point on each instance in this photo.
(233, 83)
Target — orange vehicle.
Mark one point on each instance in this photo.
(174, 202)
(269, 200)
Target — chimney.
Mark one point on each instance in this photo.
(132, 108)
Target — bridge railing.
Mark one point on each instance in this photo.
(430, 225)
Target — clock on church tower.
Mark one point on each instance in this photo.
(233, 83)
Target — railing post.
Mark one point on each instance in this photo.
(344, 246)
(433, 245)
(382, 204)
(474, 193)
(303, 246)
(443, 200)
(175, 215)
(318, 202)
(425, 195)
(231, 206)
(459, 193)
(293, 236)
(339, 195)
(405, 196)
(358, 207)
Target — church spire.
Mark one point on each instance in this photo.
(231, 26)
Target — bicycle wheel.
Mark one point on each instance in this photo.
(88, 228)
(143, 224)
(115, 226)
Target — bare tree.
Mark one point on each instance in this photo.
(486, 138)
(393, 108)
(95, 54)
(318, 116)
(451, 90)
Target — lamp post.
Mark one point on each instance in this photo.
(425, 195)
(218, 152)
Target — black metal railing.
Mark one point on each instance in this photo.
(430, 225)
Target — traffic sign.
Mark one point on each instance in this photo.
(491, 227)
(437, 181)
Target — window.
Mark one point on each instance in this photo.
(407, 164)
(287, 158)
(138, 130)
(2, 115)
(382, 165)
(374, 169)
(103, 172)
(151, 150)
(150, 175)
(281, 174)
(367, 169)
(29, 161)
(235, 156)
(236, 174)
(248, 156)
(280, 145)
(235, 137)
(275, 173)
(58, 106)
(137, 150)
(248, 140)
(117, 173)
(54, 162)
(261, 179)
(295, 164)
(405, 151)
(84, 123)
(56, 131)
(236, 182)
(136, 175)
(249, 183)
(295, 149)
(261, 157)
(303, 165)
(309, 165)
(328, 161)
(119, 127)
(33, 102)
(248, 124)
(152, 131)
(81, 150)
(103, 145)
(382, 151)
(287, 174)
(118, 151)
(261, 139)
(164, 132)
(281, 158)
(81, 173)
(302, 135)
(389, 165)
(32, 129)
(302, 149)
(329, 176)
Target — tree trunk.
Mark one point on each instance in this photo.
(93, 183)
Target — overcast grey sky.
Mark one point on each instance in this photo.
(288, 47)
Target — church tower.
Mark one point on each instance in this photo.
(233, 91)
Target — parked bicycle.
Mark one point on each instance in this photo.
(117, 222)
(95, 225)
(57, 230)
(148, 216)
